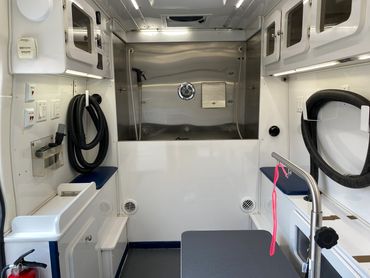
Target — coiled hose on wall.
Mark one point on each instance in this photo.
(2, 226)
(76, 133)
(309, 133)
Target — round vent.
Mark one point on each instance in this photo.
(247, 205)
(129, 207)
(186, 91)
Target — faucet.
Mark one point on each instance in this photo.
(320, 237)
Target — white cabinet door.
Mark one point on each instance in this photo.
(333, 20)
(82, 254)
(295, 24)
(271, 38)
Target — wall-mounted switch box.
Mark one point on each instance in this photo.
(55, 109)
(365, 116)
(30, 91)
(29, 117)
(41, 110)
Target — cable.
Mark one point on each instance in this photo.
(76, 133)
(130, 51)
(2, 226)
(4, 270)
(309, 133)
(236, 114)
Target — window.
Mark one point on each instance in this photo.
(270, 41)
(295, 21)
(81, 29)
(334, 12)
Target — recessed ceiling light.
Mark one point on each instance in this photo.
(134, 3)
(239, 3)
(364, 57)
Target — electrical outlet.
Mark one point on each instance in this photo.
(41, 110)
(29, 117)
(345, 87)
(29, 92)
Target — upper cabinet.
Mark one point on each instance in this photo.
(272, 35)
(333, 20)
(295, 23)
(300, 34)
(286, 32)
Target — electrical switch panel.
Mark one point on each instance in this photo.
(55, 109)
(29, 117)
(41, 110)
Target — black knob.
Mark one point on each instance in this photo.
(274, 131)
(326, 237)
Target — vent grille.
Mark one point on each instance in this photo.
(247, 205)
(191, 21)
(129, 207)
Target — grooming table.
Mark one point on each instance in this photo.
(231, 254)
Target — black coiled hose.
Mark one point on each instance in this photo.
(76, 133)
(2, 226)
(309, 133)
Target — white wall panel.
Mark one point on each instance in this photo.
(188, 185)
(5, 110)
(273, 111)
(5, 162)
(105, 88)
(341, 141)
(31, 191)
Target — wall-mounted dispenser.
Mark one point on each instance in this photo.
(214, 95)
(47, 153)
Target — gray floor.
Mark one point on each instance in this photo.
(152, 263)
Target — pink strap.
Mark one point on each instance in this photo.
(274, 212)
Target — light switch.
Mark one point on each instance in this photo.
(55, 109)
(30, 91)
(29, 117)
(41, 110)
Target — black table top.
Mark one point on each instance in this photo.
(231, 254)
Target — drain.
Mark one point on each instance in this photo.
(247, 205)
(129, 207)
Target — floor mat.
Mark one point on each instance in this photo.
(152, 263)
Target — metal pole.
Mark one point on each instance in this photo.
(314, 261)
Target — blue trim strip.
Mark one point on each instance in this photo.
(155, 245)
(120, 267)
(54, 259)
(100, 176)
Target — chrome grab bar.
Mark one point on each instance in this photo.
(314, 260)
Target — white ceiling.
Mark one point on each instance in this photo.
(152, 12)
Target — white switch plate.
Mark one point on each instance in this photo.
(345, 87)
(29, 92)
(41, 110)
(365, 116)
(300, 102)
(55, 109)
(29, 117)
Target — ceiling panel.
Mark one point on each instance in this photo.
(187, 5)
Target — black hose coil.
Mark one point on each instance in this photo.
(309, 133)
(76, 133)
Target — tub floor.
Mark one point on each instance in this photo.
(152, 263)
